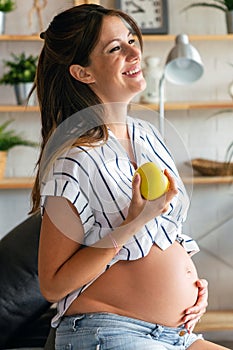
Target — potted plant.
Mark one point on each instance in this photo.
(21, 74)
(5, 6)
(223, 5)
(8, 140)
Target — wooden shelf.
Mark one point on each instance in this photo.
(17, 108)
(207, 180)
(169, 106)
(146, 37)
(16, 183)
(15, 37)
(215, 320)
(192, 105)
(169, 37)
(27, 182)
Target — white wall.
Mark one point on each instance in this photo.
(203, 134)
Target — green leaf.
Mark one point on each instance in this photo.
(9, 138)
(5, 125)
(21, 69)
(7, 5)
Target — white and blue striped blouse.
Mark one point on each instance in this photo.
(98, 181)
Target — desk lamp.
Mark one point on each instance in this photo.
(183, 66)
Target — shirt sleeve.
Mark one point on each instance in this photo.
(66, 184)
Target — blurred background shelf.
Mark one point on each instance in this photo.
(148, 37)
(15, 37)
(17, 108)
(169, 106)
(202, 180)
(169, 37)
(177, 106)
(27, 182)
(16, 183)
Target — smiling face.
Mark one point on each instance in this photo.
(114, 73)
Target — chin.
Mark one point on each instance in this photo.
(141, 87)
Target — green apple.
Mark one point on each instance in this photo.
(154, 183)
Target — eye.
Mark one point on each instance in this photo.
(116, 48)
(132, 41)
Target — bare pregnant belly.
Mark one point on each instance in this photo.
(157, 288)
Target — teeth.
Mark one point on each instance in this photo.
(131, 72)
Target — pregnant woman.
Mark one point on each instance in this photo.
(118, 266)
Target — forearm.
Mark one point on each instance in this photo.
(86, 264)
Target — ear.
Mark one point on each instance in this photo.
(81, 74)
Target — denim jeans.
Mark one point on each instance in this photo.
(105, 331)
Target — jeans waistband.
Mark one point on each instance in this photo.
(94, 319)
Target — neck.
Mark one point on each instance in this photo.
(115, 118)
(120, 130)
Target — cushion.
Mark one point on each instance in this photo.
(20, 299)
(34, 334)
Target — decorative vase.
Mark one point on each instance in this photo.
(229, 21)
(3, 158)
(152, 75)
(2, 22)
(22, 91)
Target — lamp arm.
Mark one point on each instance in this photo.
(161, 105)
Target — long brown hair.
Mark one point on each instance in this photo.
(69, 39)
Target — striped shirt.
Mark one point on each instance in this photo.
(98, 182)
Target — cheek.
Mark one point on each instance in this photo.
(143, 84)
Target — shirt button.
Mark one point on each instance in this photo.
(182, 333)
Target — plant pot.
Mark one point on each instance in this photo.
(22, 91)
(2, 22)
(229, 21)
(3, 158)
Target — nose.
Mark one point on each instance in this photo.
(133, 53)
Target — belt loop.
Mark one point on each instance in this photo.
(157, 331)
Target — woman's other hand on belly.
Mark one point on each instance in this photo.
(194, 313)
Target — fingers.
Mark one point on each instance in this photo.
(194, 316)
(202, 284)
(172, 184)
(150, 208)
(190, 325)
(199, 307)
(194, 313)
(136, 186)
(202, 300)
(172, 191)
(190, 320)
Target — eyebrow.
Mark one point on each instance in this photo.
(115, 39)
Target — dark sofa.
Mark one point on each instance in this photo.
(24, 314)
